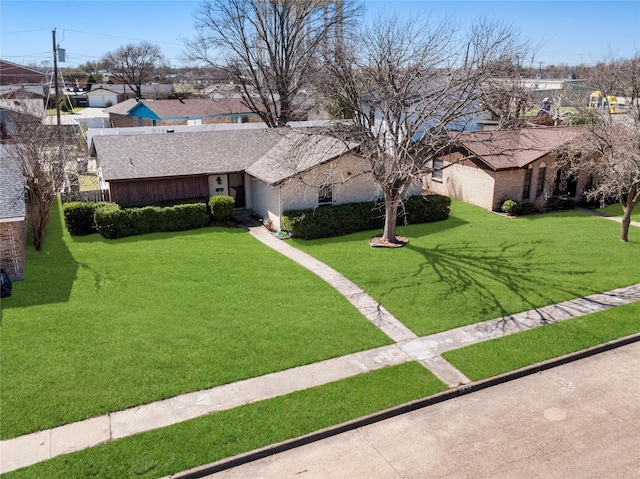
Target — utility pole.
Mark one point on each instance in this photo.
(55, 74)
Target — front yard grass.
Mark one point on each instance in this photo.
(99, 325)
(490, 358)
(477, 266)
(227, 433)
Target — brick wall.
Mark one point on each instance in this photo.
(13, 241)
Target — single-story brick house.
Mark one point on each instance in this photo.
(133, 113)
(13, 224)
(266, 170)
(493, 166)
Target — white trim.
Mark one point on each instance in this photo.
(13, 220)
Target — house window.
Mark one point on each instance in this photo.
(325, 195)
(527, 183)
(437, 170)
(542, 174)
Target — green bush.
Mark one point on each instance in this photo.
(556, 203)
(349, 218)
(221, 207)
(511, 207)
(114, 222)
(79, 217)
(527, 209)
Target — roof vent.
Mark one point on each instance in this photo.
(171, 130)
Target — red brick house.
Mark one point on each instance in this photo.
(13, 224)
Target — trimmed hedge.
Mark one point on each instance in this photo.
(78, 217)
(326, 221)
(114, 222)
(221, 207)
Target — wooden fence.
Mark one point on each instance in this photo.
(93, 196)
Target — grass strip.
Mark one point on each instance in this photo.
(497, 356)
(217, 436)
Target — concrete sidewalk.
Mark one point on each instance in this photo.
(40, 446)
(576, 420)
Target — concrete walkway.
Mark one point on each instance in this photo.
(607, 216)
(40, 446)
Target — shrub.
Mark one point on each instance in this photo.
(511, 207)
(114, 222)
(556, 203)
(221, 207)
(527, 209)
(349, 218)
(79, 217)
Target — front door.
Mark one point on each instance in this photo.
(566, 184)
(236, 189)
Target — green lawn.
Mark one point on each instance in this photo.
(224, 434)
(100, 325)
(490, 358)
(476, 265)
(616, 210)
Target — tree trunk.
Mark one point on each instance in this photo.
(627, 203)
(390, 220)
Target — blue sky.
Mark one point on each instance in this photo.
(565, 32)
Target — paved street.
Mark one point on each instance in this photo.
(579, 420)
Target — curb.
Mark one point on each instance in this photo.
(273, 449)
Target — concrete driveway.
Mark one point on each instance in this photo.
(579, 420)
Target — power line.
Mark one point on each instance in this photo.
(119, 37)
(25, 31)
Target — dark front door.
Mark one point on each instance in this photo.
(566, 184)
(236, 189)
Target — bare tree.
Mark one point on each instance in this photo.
(413, 88)
(609, 149)
(268, 46)
(134, 65)
(40, 151)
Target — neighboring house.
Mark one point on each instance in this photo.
(14, 74)
(17, 110)
(266, 170)
(23, 92)
(493, 166)
(132, 113)
(13, 224)
(102, 97)
(149, 92)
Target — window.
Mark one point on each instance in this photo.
(437, 170)
(325, 195)
(527, 183)
(542, 174)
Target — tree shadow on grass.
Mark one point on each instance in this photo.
(485, 272)
(49, 274)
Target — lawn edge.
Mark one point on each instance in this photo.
(261, 453)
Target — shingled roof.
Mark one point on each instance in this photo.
(271, 155)
(180, 109)
(504, 150)
(12, 205)
(180, 154)
(295, 153)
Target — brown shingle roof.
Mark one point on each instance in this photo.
(503, 150)
(182, 109)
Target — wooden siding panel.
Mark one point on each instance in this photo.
(146, 192)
